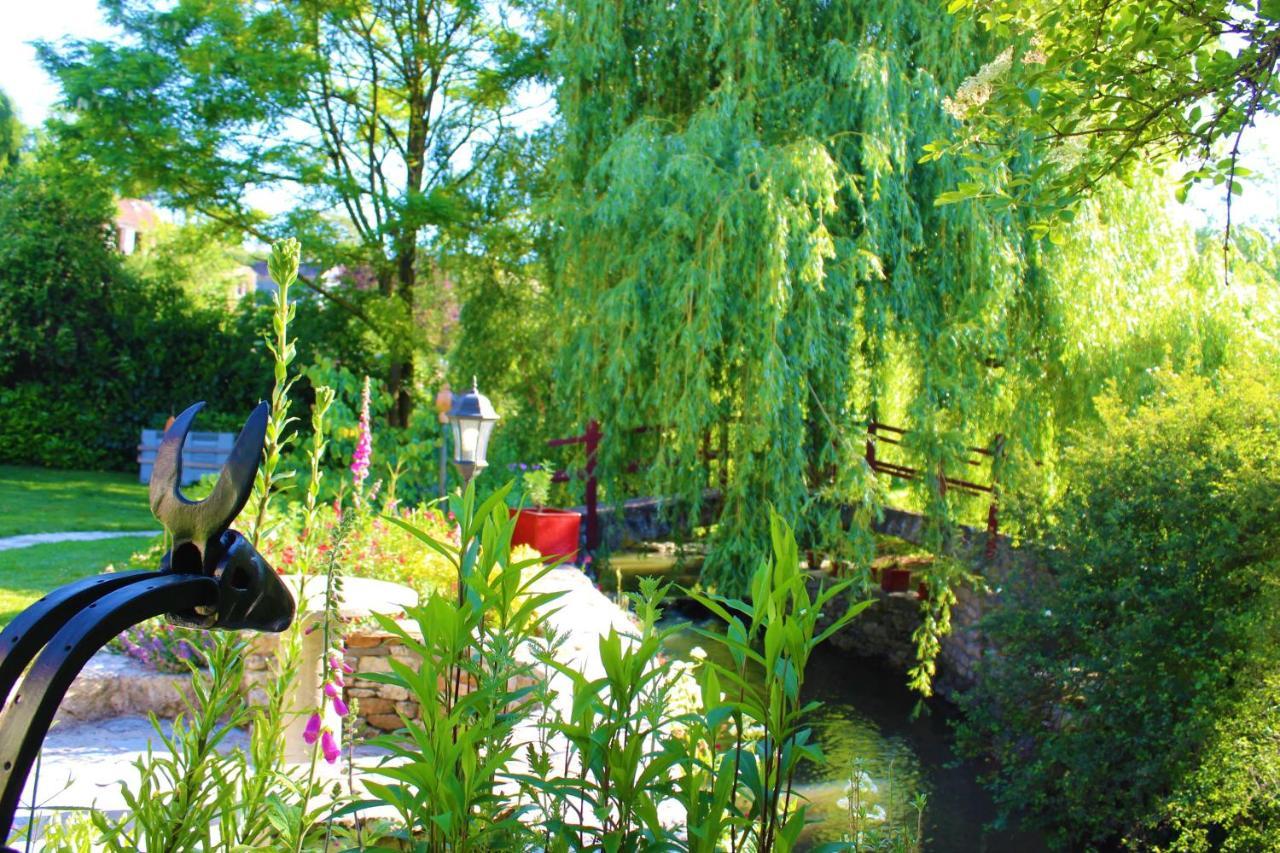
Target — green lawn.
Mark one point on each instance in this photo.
(42, 500)
(26, 574)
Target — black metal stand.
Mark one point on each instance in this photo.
(211, 578)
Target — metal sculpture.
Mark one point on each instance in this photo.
(211, 578)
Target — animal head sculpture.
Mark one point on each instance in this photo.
(250, 594)
(212, 577)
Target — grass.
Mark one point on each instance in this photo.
(42, 500)
(26, 574)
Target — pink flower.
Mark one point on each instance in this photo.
(312, 731)
(329, 745)
(364, 446)
(331, 690)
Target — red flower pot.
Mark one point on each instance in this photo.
(553, 533)
(895, 580)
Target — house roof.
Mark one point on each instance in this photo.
(136, 213)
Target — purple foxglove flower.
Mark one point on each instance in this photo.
(338, 665)
(312, 731)
(364, 446)
(329, 745)
(339, 706)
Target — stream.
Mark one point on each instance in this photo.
(865, 725)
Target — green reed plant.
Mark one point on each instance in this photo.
(619, 757)
(196, 797)
(473, 687)
(776, 631)
(283, 266)
(178, 798)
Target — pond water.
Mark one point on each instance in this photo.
(865, 725)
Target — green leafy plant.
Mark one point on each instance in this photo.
(533, 482)
(776, 631)
(1135, 685)
(472, 687)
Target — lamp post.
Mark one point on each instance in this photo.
(472, 418)
(444, 402)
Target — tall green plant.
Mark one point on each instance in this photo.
(472, 686)
(777, 631)
(196, 797)
(606, 754)
(283, 266)
(181, 794)
(1135, 688)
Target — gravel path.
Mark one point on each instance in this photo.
(28, 539)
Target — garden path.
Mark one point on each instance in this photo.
(28, 539)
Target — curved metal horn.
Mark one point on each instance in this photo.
(27, 634)
(201, 522)
(25, 721)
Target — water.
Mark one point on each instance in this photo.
(865, 724)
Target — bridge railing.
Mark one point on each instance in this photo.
(877, 433)
(979, 457)
(591, 439)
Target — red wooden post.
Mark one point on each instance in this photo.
(592, 496)
(993, 520)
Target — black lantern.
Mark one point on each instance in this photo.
(471, 418)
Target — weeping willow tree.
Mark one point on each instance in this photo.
(750, 245)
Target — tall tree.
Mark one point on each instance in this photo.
(749, 241)
(11, 134)
(1099, 87)
(365, 119)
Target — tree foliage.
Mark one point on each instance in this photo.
(509, 325)
(1134, 696)
(90, 352)
(11, 135)
(748, 240)
(366, 119)
(1097, 87)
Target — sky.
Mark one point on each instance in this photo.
(34, 94)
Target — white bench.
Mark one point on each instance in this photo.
(203, 453)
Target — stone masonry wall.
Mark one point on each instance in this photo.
(884, 630)
(378, 706)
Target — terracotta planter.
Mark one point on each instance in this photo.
(553, 533)
(895, 580)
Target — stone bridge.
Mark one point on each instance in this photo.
(663, 519)
(885, 630)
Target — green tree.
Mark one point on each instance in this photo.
(368, 119)
(11, 134)
(1133, 698)
(196, 257)
(509, 325)
(90, 352)
(1098, 87)
(749, 244)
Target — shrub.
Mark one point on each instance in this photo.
(89, 352)
(1134, 698)
(373, 547)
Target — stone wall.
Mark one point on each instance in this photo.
(370, 650)
(883, 632)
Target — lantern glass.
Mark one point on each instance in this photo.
(471, 420)
(471, 440)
